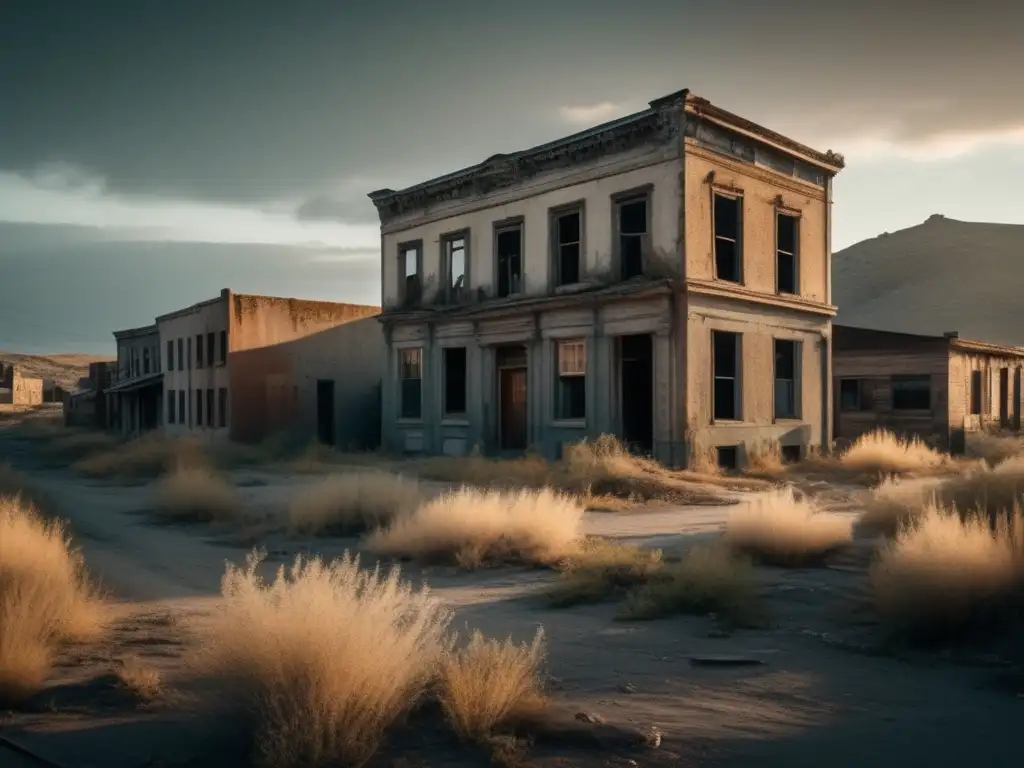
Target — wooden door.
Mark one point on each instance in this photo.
(512, 405)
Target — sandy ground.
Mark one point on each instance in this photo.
(814, 690)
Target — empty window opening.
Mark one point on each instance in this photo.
(1004, 396)
(222, 407)
(199, 350)
(455, 380)
(412, 374)
(975, 393)
(855, 395)
(572, 380)
(223, 347)
(786, 238)
(728, 457)
(726, 348)
(170, 406)
(911, 393)
(792, 454)
(637, 387)
(145, 360)
(632, 217)
(787, 364)
(182, 419)
(199, 407)
(210, 349)
(410, 258)
(455, 265)
(510, 260)
(568, 241)
(728, 243)
(181, 356)
(210, 418)
(170, 355)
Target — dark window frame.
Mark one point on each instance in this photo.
(145, 361)
(619, 201)
(170, 354)
(406, 292)
(571, 387)
(557, 246)
(505, 226)
(181, 354)
(223, 347)
(859, 392)
(905, 396)
(735, 196)
(450, 383)
(222, 406)
(781, 254)
(199, 407)
(406, 388)
(171, 403)
(210, 352)
(182, 409)
(199, 351)
(720, 375)
(976, 393)
(451, 292)
(793, 407)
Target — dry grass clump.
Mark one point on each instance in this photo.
(196, 494)
(77, 444)
(765, 458)
(45, 598)
(145, 457)
(942, 574)
(485, 682)
(142, 681)
(895, 502)
(15, 483)
(600, 570)
(882, 452)
(324, 658)
(780, 529)
(351, 503)
(993, 447)
(708, 580)
(528, 471)
(471, 527)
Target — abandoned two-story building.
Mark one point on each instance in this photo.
(664, 277)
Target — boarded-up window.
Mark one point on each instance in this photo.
(975, 393)
(911, 393)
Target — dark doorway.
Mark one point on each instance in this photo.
(1004, 396)
(636, 369)
(512, 427)
(325, 411)
(1016, 398)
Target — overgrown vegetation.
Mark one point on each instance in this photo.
(143, 458)
(880, 452)
(602, 570)
(197, 495)
(344, 504)
(45, 598)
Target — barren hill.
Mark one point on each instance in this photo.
(942, 275)
(65, 370)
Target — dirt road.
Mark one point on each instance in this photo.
(808, 700)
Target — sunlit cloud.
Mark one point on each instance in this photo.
(937, 148)
(68, 195)
(593, 113)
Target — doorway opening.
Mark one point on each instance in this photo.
(636, 371)
(512, 407)
(1016, 398)
(1004, 396)
(325, 411)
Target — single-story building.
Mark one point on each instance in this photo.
(938, 388)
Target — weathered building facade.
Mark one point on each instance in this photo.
(939, 388)
(241, 367)
(134, 396)
(663, 277)
(18, 389)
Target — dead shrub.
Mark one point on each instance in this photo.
(600, 570)
(76, 445)
(197, 495)
(780, 529)
(708, 580)
(485, 682)
(15, 483)
(881, 452)
(529, 471)
(139, 679)
(324, 658)
(45, 598)
(765, 457)
(993, 447)
(470, 527)
(143, 458)
(344, 504)
(943, 574)
(895, 502)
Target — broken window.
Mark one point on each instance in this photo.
(181, 407)
(222, 407)
(455, 380)
(786, 369)
(787, 230)
(170, 355)
(632, 223)
(411, 377)
(726, 353)
(209, 349)
(223, 347)
(199, 350)
(199, 407)
(975, 393)
(572, 380)
(455, 266)
(181, 356)
(409, 258)
(911, 393)
(568, 242)
(728, 243)
(170, 405)
(510, 260)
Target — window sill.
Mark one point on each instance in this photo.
(409, 421)
(728, 423)
(788, 420)
(455, 420)
(576, 287)
(570, 423)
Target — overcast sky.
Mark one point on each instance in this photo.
(130, 131)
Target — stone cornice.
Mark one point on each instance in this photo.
(767, 175)
(783, 301)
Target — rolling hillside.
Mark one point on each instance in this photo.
(942, 275)
(65, 370)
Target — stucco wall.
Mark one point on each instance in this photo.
(550, 191)
(260, 321)
(961, 365)
(26, 391)
(144, 349)
(759, 188)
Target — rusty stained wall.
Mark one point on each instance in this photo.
(279, 347)
(874, 359)
(961, 365)
(759, 188)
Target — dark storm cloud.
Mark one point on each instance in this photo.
(328, 208)
(258, 101)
